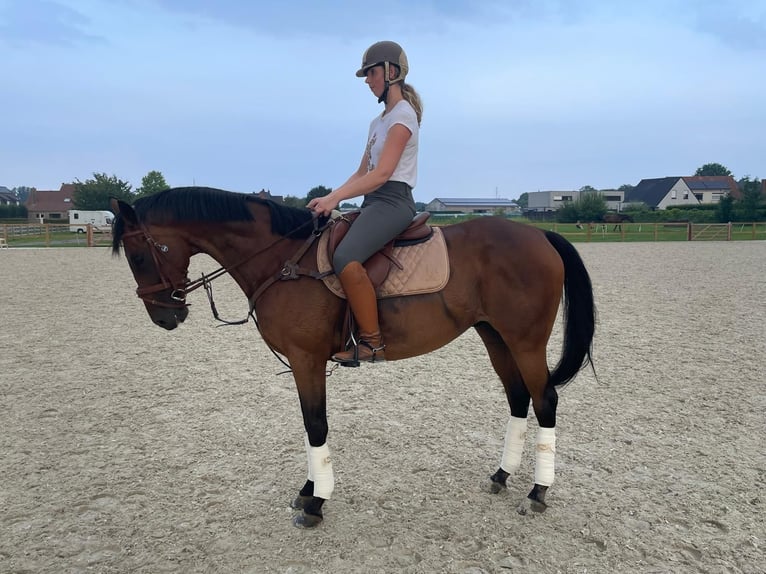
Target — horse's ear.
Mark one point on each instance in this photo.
(125, 210)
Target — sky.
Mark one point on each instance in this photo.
(519, 95)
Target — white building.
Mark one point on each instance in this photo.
(542, 201)
(473, 205)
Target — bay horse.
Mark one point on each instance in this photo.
(506, 281)
(616, 218)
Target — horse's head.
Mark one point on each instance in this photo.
(159, 261)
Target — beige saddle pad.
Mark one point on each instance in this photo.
(424, 268)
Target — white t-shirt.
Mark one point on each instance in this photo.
(407, 168)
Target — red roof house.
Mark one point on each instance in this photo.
(51, 204)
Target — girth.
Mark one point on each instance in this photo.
(379, 264)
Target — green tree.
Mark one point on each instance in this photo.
(626, 187)
(568, 213)
(13, 212)
(96, 193)
(153, 182)
(523, 201)
(724, 209)
(751, 198)
(22, 192)
(293, 201)
(587, 189)
(318, 191)
(591, 206)
(712, 169)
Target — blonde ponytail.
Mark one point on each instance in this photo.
(412, 98)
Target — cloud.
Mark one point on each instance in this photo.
(46, 22)
(339, 18)
(740, 29)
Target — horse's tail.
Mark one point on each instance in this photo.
(579, 313)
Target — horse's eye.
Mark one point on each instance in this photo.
(137, 260)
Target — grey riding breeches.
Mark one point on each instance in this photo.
(386, 212)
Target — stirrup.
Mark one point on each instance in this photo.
(354, 361)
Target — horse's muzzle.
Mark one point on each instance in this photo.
(168, 318)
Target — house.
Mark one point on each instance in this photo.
(266, 194)
(7, 197)
(546, 201)
(472, 205)
(53, 205)
(664, 192)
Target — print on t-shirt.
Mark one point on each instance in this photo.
(370, 165)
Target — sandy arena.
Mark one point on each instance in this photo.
(126, 448)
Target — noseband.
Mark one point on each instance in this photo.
(178, 289)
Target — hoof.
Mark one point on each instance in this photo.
(498, 481)
(529, 504)
(495, 488)
(304, 520)
(300, 502)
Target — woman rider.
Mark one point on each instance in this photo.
(385, 177)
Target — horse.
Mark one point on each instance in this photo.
(506, 281)
(617, 219)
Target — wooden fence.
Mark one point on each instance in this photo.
(59, 235)
(51, 235)
(598, 232)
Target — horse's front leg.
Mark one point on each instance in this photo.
(310, 379)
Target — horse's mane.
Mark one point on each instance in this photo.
(206, 204)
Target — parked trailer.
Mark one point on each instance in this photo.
(100, 220)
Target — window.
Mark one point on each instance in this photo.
(673, 194)
(686, 196)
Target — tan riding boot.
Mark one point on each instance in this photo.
(364, 305)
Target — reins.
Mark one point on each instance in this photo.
(290, 270)
(205, 280)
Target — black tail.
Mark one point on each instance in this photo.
(579, 313)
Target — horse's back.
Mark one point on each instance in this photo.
(500, 260)
(502, 273)
(495, 241)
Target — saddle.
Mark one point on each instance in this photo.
(379, 264)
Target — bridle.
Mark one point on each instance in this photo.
(179, 289)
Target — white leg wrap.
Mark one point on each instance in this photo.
(515, 436)
(308, 455)
(320, 467)
(546, 454)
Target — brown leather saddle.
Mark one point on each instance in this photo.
(379, 264)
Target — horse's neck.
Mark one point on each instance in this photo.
(250, 258)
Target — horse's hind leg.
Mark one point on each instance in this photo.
(518, 401)
(534, 370)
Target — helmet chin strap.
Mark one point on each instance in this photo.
(384, 96)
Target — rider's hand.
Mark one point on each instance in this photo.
(322, 205)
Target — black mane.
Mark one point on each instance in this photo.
(206, 204)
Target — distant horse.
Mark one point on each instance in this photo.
(506, 281)
(617, 219)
